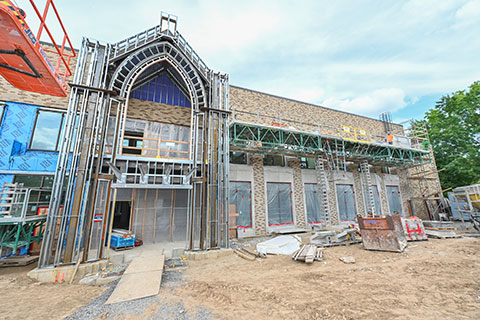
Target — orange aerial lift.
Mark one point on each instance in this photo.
(23, 61)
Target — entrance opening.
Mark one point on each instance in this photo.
(121, 217)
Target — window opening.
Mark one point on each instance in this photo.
(280, 206)
(346, 202)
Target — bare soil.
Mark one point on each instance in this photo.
(435, 279)
(24, 298)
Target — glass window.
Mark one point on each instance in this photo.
(307, 163)
(315, 211)
(346, 202)
(132, 142)
(37, 199)
(273, 160)
(238, 157)
(241, 197)
(280, 211)
(62, 129)
(376, 199)
(394, 200)
(47, 131)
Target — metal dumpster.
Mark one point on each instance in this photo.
(383, 233)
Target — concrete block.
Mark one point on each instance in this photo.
(65, 272)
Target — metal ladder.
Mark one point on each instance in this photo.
(366, 179)
(322, 186)
(340, 156)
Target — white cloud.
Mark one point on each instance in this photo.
(469, 12)
(392, 99)
(342, 54)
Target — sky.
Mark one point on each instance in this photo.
(364, 57)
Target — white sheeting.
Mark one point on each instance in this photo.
(279, 245)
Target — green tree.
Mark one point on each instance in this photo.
(454, 130)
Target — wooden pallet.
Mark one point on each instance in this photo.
(308, 253)
(441, 234)
(123, 248)
(18, 261)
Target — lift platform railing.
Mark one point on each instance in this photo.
(295, 122)
(62, 69)
(22, 217)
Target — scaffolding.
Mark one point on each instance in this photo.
(291, 139)
(86, 174)
(423, 179)
(470, 195)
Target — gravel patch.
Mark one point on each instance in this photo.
(172, 278)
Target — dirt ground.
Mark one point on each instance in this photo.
(24, 298)
(435, 279)
(438, 279)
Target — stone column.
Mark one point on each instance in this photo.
(404, 190)
(298, 193)
(383, 192)
(358, 187)
(332, 198)
(259, 195)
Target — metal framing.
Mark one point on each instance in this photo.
(268, 139)
(105, 75)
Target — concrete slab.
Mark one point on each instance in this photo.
(136, 285)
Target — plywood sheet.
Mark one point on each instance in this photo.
(135, 286)
(146, 263)
(141, 279)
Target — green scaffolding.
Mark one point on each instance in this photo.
(267, 139)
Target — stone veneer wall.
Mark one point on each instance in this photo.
(405, 190)
(357, 184)
(252, 101)
(299, 193)
(332, 200)
(158, 112)
(259, 195)
(382, 192)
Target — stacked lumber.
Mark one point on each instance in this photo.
(308, 253)
(249, 254)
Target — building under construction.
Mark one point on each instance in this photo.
(151, 140)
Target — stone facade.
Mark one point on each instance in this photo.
(358, 187)
(332, 200)
(259, 195)
(159, 112)
(267, 109)
(298, 193)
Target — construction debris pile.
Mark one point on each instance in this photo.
(308, 253)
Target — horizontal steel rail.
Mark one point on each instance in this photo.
(277, 140)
